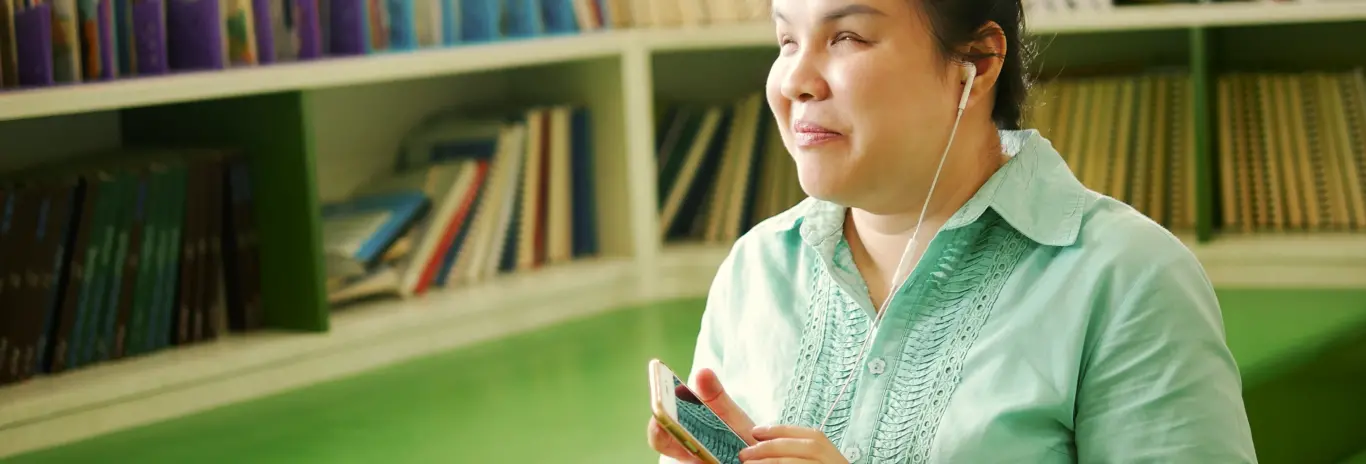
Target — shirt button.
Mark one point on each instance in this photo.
(852, 454)
(877, 366)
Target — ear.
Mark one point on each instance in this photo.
(987, 54)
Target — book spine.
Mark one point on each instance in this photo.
(149, 37)
(149, 217)
(9, 245)
(130, 247)
(108, 40)
(307, 25)
(402, 24)
(264, 26)
(61, 234)
(347, 27)
(194, 35)
(64, 341)
(66, 53)
(189, 258)
(33, 38)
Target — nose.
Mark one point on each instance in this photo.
(802, 80)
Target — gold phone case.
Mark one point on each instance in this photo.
(670, 425)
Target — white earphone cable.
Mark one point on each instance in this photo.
(902, 268)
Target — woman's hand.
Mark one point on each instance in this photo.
(711, 393)
(783, 444)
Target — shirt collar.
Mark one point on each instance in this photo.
(1034, 192)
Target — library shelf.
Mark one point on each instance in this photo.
(1125, 18)
(304, 75)
(313, 104)
(1284, 260)
(112, 396)
(345, 71)
(1193, 15)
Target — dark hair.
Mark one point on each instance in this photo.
(957, 22)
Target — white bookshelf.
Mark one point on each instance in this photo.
(359, 109)
(339, 72)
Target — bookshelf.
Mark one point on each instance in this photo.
(357, 70)
(316, 130)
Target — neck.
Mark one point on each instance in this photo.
(970, 164)
(878, 237)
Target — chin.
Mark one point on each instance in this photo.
(821, 182)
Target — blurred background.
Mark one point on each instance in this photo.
(457, 230)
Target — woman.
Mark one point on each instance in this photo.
(1040, 322)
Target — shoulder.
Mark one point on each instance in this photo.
(1117, 240)
(764, 274)
(770, 246)
(1149, 283)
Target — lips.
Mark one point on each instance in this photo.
(811, 134)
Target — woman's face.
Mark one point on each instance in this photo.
(862, 98)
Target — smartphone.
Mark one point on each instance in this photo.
(694, 424)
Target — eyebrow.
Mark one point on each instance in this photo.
(840, 13)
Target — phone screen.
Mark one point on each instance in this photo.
(704, 425)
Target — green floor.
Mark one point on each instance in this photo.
(531, 398)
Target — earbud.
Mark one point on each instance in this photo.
(969, 75)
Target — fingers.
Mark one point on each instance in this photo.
(710, 391)
(798, 448)
(782, 461)
(665, 444)
(786, 431)
(790, 444)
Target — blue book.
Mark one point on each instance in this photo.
(402, 24)
(522, 19)
(357, 232)
(451, 22)
(559, 17)
(585, 216)
(480, 20)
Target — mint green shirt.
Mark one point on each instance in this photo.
(1046, 323)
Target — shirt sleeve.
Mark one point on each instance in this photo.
(1160, 384)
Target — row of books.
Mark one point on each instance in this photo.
(1129, 137)
(148, 250)
(1292, 151)
(471, 197)
(684, 13)
(722, 169)
(1289, 148)
(47, 42)
(1037, 7)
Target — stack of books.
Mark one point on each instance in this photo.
(114, 259)
(470, 198)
